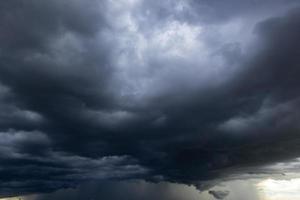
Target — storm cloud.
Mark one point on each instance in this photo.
(175, 91)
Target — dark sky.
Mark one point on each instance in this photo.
(179, 91)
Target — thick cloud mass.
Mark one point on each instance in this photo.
(172, 90)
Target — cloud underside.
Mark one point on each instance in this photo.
(178, 90)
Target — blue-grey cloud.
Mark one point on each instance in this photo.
(173, 90)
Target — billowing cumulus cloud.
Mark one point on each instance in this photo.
(179, 91)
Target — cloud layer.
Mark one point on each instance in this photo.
(173, 90)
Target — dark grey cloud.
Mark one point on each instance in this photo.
(219, 194)
(159, 91)
(128, 190)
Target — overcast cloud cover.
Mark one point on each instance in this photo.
(180, 91)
